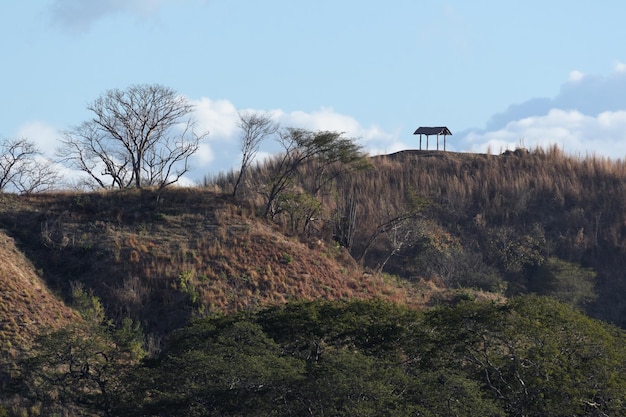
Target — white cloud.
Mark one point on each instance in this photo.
(221, 149)
(575, 76)
(219, 117)
(589, 94)
(588, 116)
(42, 134)
(374, 140)
(204, 155)
(571, 130)
(324, 119)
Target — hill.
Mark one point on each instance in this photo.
(192, 253)
(538, 221)
(28, 307)
(527, 221)
(415, 228)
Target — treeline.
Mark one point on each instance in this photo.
(531, 356)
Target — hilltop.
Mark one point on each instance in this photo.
(345, 266)
(426, 227)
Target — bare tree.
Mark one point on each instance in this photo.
(14, 153)
(141, 136)
(254, 129)
(39, 174)
(23, 169)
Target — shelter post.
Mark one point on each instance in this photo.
(428, 131)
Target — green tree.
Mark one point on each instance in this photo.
(348, 383)
(299, 148)
(531, 356)
(223, 367)
(363, 359)
(82, 367)
(565, 281)
(514, 251)
(535, 356)
(300, 208)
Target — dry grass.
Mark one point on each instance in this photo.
(27, 306)
(163, 259)
(578, 202)
(194, 253)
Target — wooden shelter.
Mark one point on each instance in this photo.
(431, 131)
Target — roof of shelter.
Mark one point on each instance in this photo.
(442, 130)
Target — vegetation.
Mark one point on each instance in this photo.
(22, 170)
(504, 223)
(418, 283)
(254, 129)
(529, 357)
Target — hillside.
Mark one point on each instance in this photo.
(537, 221)
(28, 307)
(193, 253)
(521, 212)
(500, 223)
(407, 231)
(507, 224)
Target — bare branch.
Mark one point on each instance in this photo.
(134, 138)
(254, 129)
(37, 175)
(22, 169)
(14, 154)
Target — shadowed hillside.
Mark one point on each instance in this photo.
(520, 222)
(28, 307)
(521, 213)
(191, 253)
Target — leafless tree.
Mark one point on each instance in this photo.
(14, 153)
(23, 169)
(255, 128)
(141, 136)
(39, 174)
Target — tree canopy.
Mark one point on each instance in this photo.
(531, 356)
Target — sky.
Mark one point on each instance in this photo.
(499, 74)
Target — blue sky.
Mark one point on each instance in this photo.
(497, 73)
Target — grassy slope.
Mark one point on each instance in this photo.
(195, 252)
(27, 306)
(192, 253)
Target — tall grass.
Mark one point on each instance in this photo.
(578, 202)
